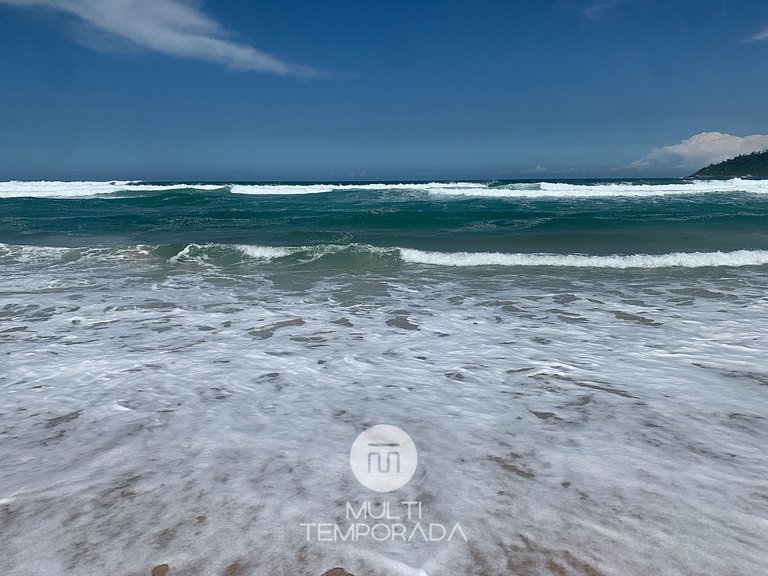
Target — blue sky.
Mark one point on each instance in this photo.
(419, 89)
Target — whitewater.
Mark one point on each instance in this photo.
(495, 189)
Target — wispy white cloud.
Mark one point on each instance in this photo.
(597, 7)
(171, 27)
(760, 36)
(699, 151)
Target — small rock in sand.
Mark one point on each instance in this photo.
(337, 572)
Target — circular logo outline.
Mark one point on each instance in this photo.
(383, 458)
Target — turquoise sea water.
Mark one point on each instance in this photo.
(579, 363)
(586, 217)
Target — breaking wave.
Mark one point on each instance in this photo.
(227, 254)
(74, 190)
(676, 259)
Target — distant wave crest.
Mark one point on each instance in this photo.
(74, 190)
(609, 189)
(56, 189)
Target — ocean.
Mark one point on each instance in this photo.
(580, 366)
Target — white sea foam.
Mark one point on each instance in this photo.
(85, 189)
(562, 190)
(734, 258)
(290, 189)
(186, 416)
(264, 252)
(676, 259)
(280, 189)
(187, 253)
(56, 189)
(16, 189)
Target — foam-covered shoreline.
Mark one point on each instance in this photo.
(197, 416)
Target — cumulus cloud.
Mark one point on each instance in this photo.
(171, 27)
(699, 151)
(597, 7)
